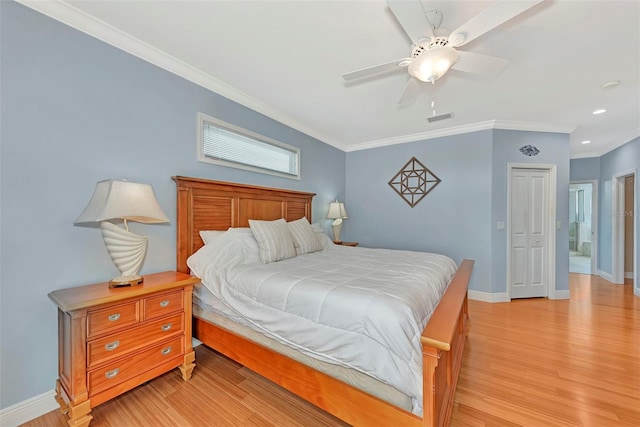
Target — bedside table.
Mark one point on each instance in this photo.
(111, 340)
(340, 242)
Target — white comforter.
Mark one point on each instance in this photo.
(357, 307)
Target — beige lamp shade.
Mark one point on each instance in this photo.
(122, 200)
(128, 201)
(337, 210)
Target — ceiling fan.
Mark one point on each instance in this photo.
(434, 51)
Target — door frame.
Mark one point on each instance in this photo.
(594, 222)
(551, 224)
(617, 228)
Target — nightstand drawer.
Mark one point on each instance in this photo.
(116, 344)
(129, 367)
(112, 318)
(162, 304)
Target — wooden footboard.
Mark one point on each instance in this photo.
(443, 342)
(212, 205)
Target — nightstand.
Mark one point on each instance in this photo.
(340, 242)
(111, 340)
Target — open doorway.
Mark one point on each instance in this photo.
(629, 214)
(582, 227)
(623, 239)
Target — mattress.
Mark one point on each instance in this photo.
(356, 308)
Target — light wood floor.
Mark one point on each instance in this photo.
(533, 362)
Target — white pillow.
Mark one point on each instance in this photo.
(273, 239)
(234, 246)
(325, 241)
(210, 236)
(304, 238)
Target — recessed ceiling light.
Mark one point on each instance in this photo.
(600, 111)
(610, 85)
(586, 142)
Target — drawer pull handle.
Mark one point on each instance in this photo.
(164, 303)
(166, 327)
(112, 345)
(112, 373)
(114, 317)
(165, 351)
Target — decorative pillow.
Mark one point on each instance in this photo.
(304, 238)
(273, 239)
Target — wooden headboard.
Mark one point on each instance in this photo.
(215, 205)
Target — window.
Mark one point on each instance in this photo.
(224, 144)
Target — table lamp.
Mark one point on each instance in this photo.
(337, 213)
(126, 201)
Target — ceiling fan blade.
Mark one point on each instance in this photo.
(412, 18)
(497, 14)
(410, 91)
(376, 69)
(479, 64)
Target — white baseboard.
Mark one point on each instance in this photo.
(564, 294)
(605, 275)
(504, 297)
(29, 409)
(488, 296)
(628, 274)
(636, 291)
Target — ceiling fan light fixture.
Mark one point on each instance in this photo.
(432, 64)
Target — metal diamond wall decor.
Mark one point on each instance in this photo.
(529, 150)
(414, 181)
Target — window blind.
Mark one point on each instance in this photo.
(224, 144)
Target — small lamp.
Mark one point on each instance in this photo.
(337, 213)
(127, 201)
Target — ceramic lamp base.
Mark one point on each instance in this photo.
(336, 231)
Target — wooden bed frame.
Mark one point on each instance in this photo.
(214, 205)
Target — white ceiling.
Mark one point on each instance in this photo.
(285, 59)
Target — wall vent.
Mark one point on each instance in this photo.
(439, 117)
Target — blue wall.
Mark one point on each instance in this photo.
(585, 169)
(75, 111)
(378, 217)
(623, 159)
(554, 149)
(470, 200)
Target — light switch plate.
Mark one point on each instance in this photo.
(558, 225)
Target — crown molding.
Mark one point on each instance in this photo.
(617, 142)
(70, 15)
(456, 130)
(533, 126)
(621, 140)
(473, 127)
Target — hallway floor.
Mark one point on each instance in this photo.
(579, 264)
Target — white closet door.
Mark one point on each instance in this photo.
(529, 240)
